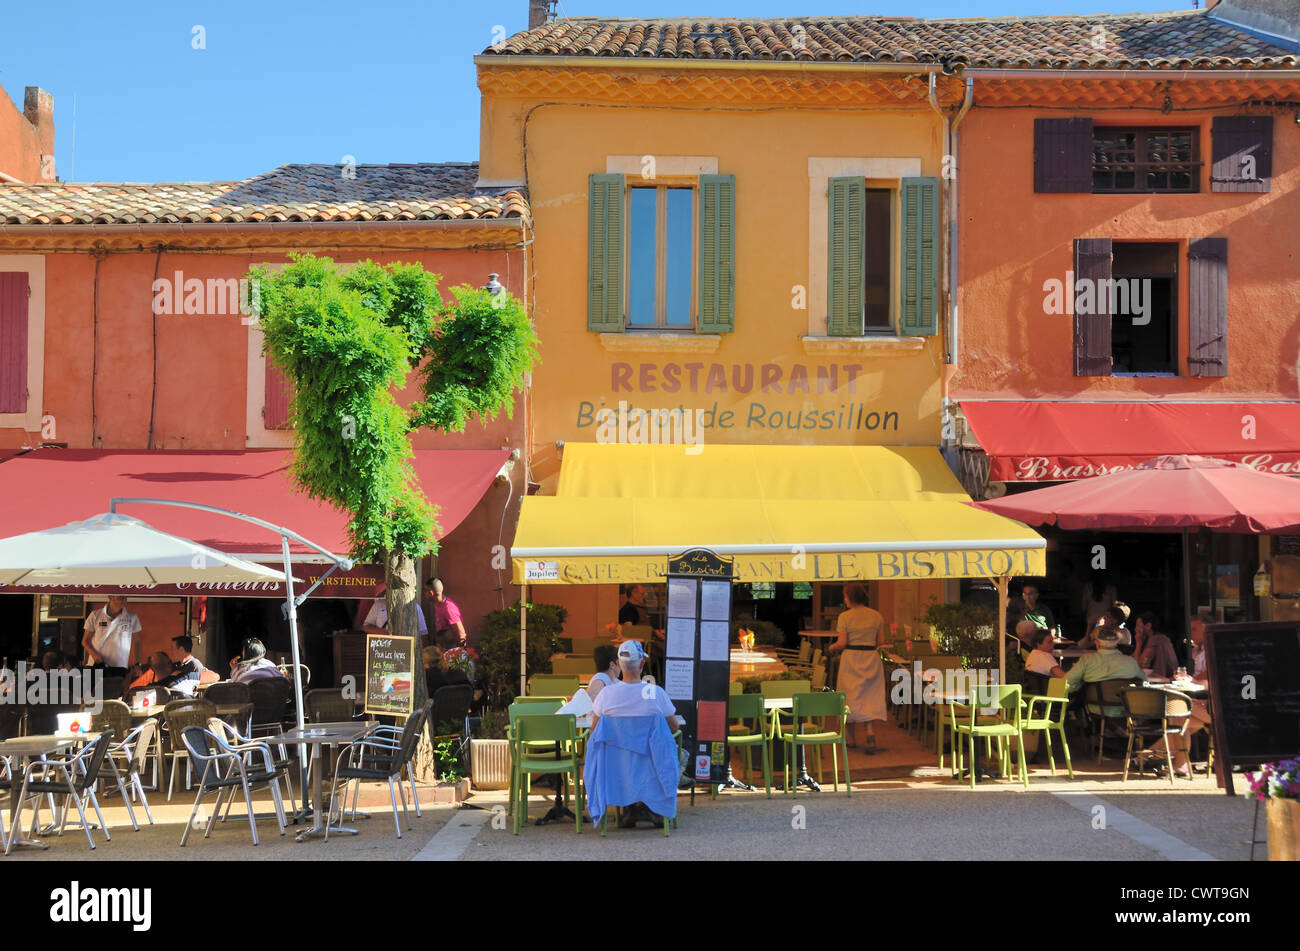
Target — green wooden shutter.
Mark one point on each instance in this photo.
(717, 313)
(605, 200)
(920, 306)
(846, 215)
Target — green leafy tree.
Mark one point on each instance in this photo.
(349, 338)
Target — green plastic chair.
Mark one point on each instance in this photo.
(808, 707)
(527, 706)
(1050, 719)
(781, 690)
(533, 731)
(751, 731)
(1003, 727)
(553, 685)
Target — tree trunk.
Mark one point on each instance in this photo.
(403, 604)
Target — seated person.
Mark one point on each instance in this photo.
(160, 667)
(437, 673)
(1106, 664)
(1112, 620)
(1154, 651)
(606, 658)
(187, 671)
(632, 697)
(1041, 659)
(1200, 717)
(252, 664)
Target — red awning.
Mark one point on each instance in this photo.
(49, 487)
(1057, 442)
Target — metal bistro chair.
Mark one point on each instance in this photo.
(238, 743)
(1147, 713)
(72, 777)
(366, 758)
(390, 736)
(209, 752)
(449, 718)
(114, 717)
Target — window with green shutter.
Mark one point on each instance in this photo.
(860, 285)
(605, 214)
(919, 312)
(717, 254)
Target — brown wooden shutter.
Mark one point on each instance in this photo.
(1092, 263)
(1207, 350)
(278, 397)
(1063, 155)
(1242, 153)
(13, 342)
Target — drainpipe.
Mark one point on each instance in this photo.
(951, 121)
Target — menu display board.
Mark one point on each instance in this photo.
(1254, 673)
(390, 674)
(698, 666)
(66, 606)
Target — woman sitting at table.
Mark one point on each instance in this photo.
(1041, 659)
(606, 658)
(862, 673)
(252, 664)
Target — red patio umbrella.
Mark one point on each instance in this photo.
(1167, 493)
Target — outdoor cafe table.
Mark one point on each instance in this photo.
(25, 748)
(317, 735)
(755, 665)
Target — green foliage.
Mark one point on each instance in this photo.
(480, 353)
(965, 630)
(498, 648)
(765, 632)
(492, 726)
(446, 758)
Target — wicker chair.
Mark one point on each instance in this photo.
(178, 714)
(328, 705)
(272, 697)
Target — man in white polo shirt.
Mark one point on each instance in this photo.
(376, 621)
(108, 636)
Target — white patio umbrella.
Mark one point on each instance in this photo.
(112, 549)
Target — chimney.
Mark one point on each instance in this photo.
(38, 107)
(539, 11)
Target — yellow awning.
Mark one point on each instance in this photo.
(785, 513)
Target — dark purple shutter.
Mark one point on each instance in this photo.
(13, 342)
(1207, 351)
(1062, 155)
(1238, 143)
(1092, 262)
(278, 397)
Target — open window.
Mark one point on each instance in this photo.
(1144, 318)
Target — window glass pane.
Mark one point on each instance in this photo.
(680, 232)
(642, 241)
(876, 265)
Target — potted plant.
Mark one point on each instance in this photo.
(498, 649)
(1278, 786)
(489, 752)
(963, 630)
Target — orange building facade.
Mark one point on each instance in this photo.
(137, 336)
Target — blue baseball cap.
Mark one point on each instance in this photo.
(631, 650)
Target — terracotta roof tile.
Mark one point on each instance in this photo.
(1188, 39)
(290, 193)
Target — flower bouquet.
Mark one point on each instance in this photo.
(1276, 781)
(461, 658)
(1277, 785)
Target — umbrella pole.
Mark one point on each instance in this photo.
(293, 647)
(1187, 583)
(1000, 625)
(523, 639)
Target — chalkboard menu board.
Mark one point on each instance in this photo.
(66, 605)
(697, 665)
(1286, 544)
(390, 674)
(1254, 672)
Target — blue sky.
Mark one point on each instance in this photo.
(381, 80)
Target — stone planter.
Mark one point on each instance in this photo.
(490, 763)
(1283, 830)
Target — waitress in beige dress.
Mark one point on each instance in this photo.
(862, 675)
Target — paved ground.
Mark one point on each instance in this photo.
(902, 808)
